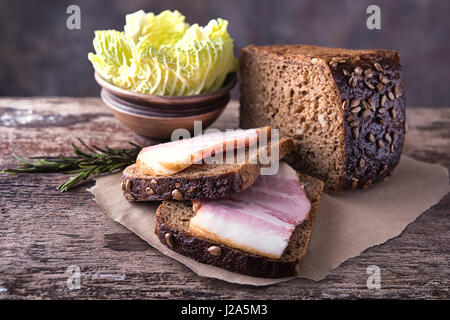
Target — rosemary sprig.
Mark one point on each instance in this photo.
(93, 162)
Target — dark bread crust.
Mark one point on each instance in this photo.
(208, 186)
(371, 137)
(367, 159)
(199, 181)
(190, 245)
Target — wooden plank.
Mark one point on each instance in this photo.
(43, 231)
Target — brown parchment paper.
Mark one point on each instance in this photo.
(346, 224)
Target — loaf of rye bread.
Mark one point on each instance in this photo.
(345, 109)
(172, 229)
(198, 181)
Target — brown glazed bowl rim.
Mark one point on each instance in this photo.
(150, 111)
(167, 119)
(229, 83)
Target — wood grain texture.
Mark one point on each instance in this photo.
(43, 231)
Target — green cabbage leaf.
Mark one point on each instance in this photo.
(163, 55)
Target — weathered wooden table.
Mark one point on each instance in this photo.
(43, 231)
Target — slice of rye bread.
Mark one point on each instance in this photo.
(198, 181)
(172, 229)
(345, 109)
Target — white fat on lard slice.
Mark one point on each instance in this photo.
(235, 234)
(169, 158)
(259, 220)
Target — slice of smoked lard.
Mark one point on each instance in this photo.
(259, 220)
(169, 158)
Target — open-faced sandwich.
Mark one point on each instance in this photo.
(237, 218)
(193, 168)
(262, 231)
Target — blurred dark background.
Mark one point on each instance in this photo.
(39, 56)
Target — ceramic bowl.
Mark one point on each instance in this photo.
(155, 116)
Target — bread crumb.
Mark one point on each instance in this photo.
(321, 120)
(298, 133)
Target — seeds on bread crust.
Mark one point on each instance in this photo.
(368, 73)
(387, 138)
(191, 189)
(345, 104)
(360, 110)
(378, 66)
(393, 113)
(354, 103)
(397, 91)
(358, 71)
(215, 250)
(391, 95)
(177, 195)
(195, 206)
(362, 163)
(372, 104)
(128, 185)
(365, 114)
(383, 100)
(379, 87)
(393, 136)
(350, 117)
(353, 81)
(383, 79)
(382, 110)
(365, 104)
(354, 123)
(169, 240)
(355, 109)
(369, 85)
